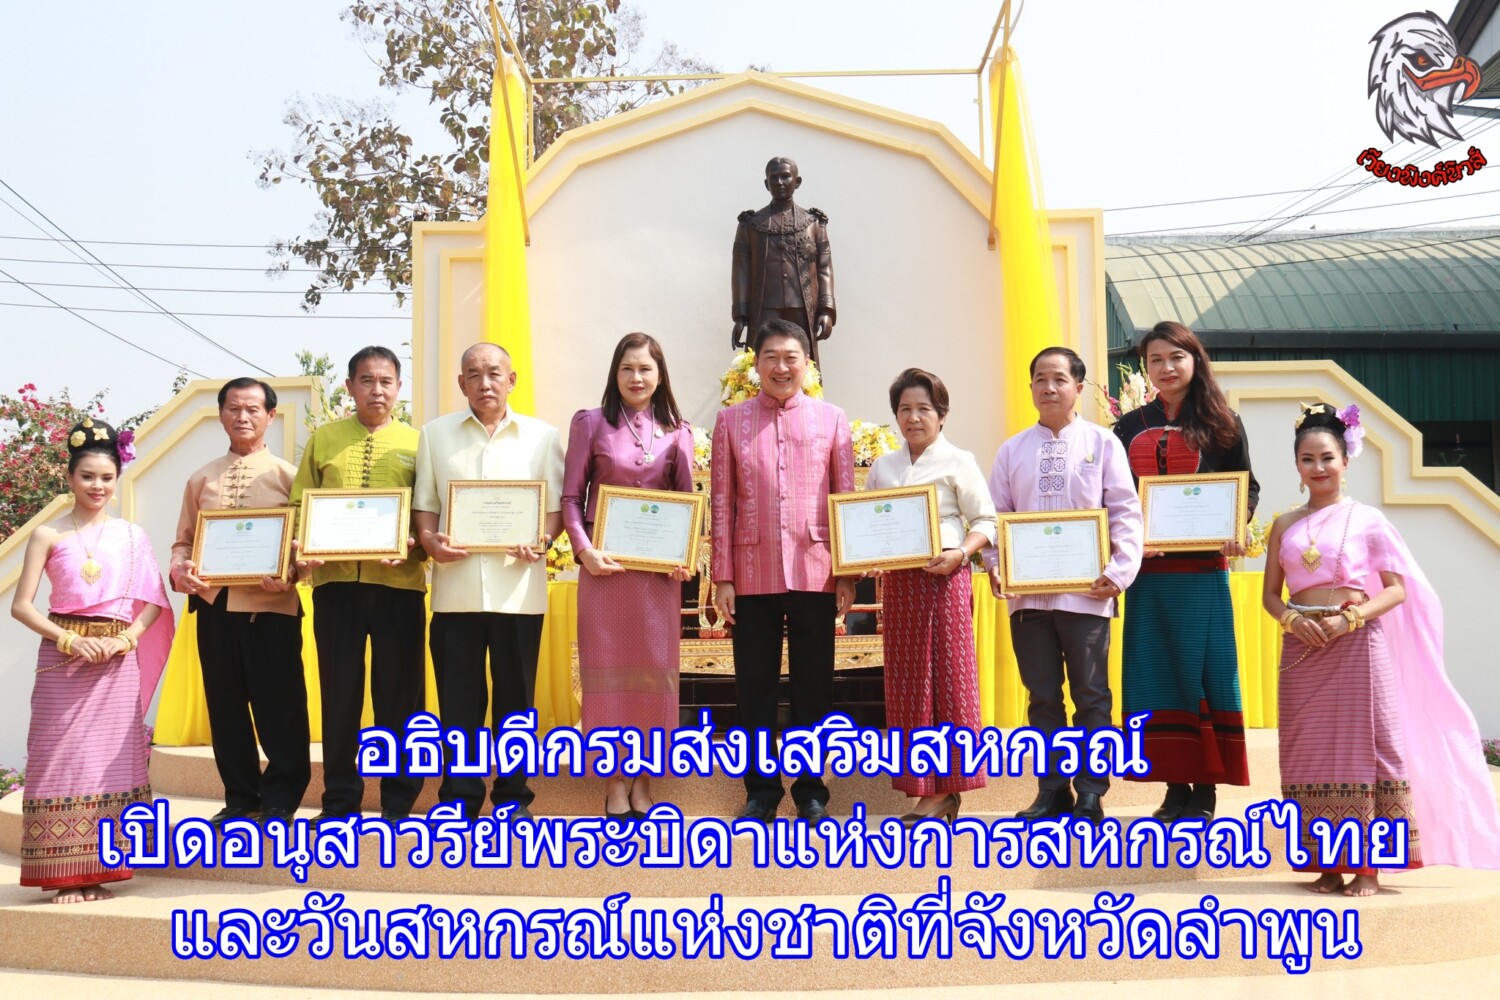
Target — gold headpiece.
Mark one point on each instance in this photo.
(1308, 411)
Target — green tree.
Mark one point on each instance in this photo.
(372, 178)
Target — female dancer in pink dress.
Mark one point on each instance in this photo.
(104, 643)
(1370, 726)
(629, 622)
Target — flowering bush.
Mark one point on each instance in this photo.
(1135, 392)
(1491, 752)
(11, 780)
(34, 451)
(741, 381)
(871, 441)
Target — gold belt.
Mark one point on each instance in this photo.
(84, 627)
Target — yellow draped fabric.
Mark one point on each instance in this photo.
(182, 719)
(507, 308)
(1031, 316)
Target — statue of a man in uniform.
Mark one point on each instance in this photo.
(783, 268)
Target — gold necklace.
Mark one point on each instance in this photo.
(1312, 558)
(90, 570)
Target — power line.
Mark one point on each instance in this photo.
(1330, 211)
(1345, 234)
(1227, 197)
(208, 246)
(196, 291)
(111, 333)
(1285, 263)
(217, 315)
(157, 306)
(168, 267)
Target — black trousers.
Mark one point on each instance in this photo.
(252, 662)
(460, 642)
(1045, 643)
(345, 616)
(807, 619)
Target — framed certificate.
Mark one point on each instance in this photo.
(491, 515)
(237, 547)
(1194, 513)
(343, 525)
(1053, 551)
(653, 530)
(883, 529)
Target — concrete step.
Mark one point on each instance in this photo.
(741, 878)
(190, 772)
(1439, 915)
(1463, 977)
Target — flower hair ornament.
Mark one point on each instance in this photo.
(1354, 431)
(89, 431)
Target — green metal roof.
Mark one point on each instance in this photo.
(1415, 284)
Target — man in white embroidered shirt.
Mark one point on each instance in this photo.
(485, 603)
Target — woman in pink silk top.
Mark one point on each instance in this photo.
(1370, 726)
(629, 622)
(104, 641)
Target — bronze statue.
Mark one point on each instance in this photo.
(782, 265)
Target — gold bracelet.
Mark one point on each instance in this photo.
(1288, 619)
(1352, 617)
(1359, 613)
(65, 642)
(130, 641)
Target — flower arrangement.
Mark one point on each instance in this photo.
(1258, 531)
(703, 446)
(11, 780)
(1354, 430)
(871, 441)
(560, 556)
(1491, 752)
(741, 381)
(1135, 392)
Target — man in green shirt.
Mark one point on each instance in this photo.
(378, 600)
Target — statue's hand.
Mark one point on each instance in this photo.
(737, 335)
(825, 326)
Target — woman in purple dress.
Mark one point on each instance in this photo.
(629, 623)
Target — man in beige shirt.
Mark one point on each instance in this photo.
(249, 638)
(485, 605)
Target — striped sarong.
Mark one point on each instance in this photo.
(1342, 749)
(86, 758)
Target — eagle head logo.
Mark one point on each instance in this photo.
(1417, 76)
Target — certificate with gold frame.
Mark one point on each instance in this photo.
(1053, 551)
(883, 529)
(1194, 513)
(653, 530)
(346, 525)
(236, 548)
(491, 515)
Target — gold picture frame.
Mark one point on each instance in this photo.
(321, 503)
(1205, 541)
(1019, 583)
(245, 520)
(840, 533)
(457, 486)
(647, 504)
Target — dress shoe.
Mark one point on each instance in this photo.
(627, 814)
(812, 812)
(1201, 804)
(1171, 806)
(226, 814)
(945, 808)
(326, 817)
(1050, 802)
(520, 812)
(1088, 807)
(756, 809)
(285, 815)
(395, 815)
